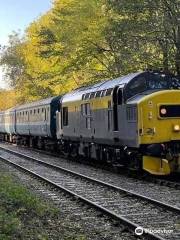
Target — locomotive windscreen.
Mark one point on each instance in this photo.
(169, 111)
(151, 81)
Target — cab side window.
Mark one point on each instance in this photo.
(138, 85)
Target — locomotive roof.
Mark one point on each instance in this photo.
(111, 83)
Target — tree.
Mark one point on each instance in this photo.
(12, 60)
(80, 42)
(8, 99)
(148, 31)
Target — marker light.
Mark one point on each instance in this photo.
(176, 128)
(163, 111)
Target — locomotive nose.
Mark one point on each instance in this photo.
(162, 116)
(155, 149)
(176, 127)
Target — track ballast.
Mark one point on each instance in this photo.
(120, 204)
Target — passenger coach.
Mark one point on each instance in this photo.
(7, 123)
(33, 123)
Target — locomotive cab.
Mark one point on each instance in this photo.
(158, 120)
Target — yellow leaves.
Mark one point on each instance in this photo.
(59, 49)
(8, 99)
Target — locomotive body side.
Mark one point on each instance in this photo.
(118, 121)
(87, 114)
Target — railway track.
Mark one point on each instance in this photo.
(147, 186)
(122, 205)
(172, 181)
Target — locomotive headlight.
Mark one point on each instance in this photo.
(176, 128)
(163, 111)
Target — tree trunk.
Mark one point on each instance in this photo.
(177, 57)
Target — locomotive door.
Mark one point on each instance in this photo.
(115, 108)
(118, 108)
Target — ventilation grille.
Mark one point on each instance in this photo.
(131, 113)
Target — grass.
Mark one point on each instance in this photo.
(25, 216)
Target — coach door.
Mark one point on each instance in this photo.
(58, 124)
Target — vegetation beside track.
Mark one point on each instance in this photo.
(25, 216)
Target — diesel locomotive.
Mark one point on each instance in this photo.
(132, 121)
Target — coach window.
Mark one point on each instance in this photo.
(45, 114)
(65, 116)
(26, 116)
(48, 114)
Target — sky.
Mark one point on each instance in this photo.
(17, 15)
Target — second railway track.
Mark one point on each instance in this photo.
(121, 204)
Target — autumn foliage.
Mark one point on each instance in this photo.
(80, 42)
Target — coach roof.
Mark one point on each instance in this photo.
(35, 104)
